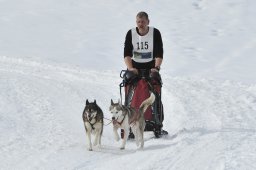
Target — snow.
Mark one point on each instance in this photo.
(56, 54)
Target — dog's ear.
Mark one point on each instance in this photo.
(94, 101)
(87, 102)
(112, 102)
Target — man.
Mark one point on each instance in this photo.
(143, 46)
(143, 49)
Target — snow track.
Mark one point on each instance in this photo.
(211, 124)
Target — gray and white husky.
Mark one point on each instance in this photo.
(93, 123)
(125, 117)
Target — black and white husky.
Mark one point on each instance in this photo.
(93, 123)
(126, 117)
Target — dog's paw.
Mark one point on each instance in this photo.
(89, 149)
(122, 148)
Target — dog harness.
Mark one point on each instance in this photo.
(92, 124)
(119, 123)
(128, 111)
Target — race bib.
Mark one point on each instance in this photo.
(138, 55)
(142, 46)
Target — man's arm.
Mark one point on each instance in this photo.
(128, 47)
(158, 44)
(158, 62)
(128, 62)
(128, 50)
(158, 49)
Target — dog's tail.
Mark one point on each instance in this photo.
(149, 101)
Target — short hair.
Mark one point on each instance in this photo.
(142, 14)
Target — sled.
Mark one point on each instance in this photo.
(137, 88)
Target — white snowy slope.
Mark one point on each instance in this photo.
(56, 54)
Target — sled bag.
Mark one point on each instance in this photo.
(141, 91)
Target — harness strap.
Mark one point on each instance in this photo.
(90, 122)
(121, 121)
(110, 121)
(92, 125)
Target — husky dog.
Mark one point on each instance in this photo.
(93, 123)
(125, 117)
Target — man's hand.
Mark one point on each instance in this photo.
(156, 69)
(134, 70)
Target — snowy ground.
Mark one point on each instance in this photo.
(55, 55)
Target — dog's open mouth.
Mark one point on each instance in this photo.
(114, 121)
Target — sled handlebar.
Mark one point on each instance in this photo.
(142, 73)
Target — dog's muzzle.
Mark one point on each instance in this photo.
(89, 117)
(115, 122)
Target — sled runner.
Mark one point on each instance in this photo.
(137, 88)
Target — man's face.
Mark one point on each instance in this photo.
(142, 23)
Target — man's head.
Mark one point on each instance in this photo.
(142, 14)
(142, 20)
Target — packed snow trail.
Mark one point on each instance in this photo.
(211, 124)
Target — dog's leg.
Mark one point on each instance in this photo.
(96, 140)
(98, 130)
(135, 131)
(117, 138)
(138, 137)
(100, 134)
(126, 133)
(88, 134)
(141, 130)
(89, 140)
(141, 138)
